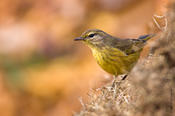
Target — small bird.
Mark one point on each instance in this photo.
(116, 56)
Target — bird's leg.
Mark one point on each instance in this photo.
(114, 80)
(124, 77)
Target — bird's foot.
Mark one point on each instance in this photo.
(114, 81)
(122, 77)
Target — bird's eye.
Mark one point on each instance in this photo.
(91, 35)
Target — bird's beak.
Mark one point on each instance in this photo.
(78, 39)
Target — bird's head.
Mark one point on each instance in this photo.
(93, 37)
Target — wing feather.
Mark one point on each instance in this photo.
(130, 46)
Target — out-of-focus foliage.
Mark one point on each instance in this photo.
(42, 71)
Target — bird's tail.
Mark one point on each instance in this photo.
(146, 37)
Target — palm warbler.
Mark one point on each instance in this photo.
(116, 56)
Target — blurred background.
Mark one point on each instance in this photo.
(43, 72)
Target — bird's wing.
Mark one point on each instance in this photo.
(130, 46)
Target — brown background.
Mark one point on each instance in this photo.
(43, 71)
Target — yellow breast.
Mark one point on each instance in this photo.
(115, 61)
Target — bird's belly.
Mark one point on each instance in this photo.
(116, 65)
